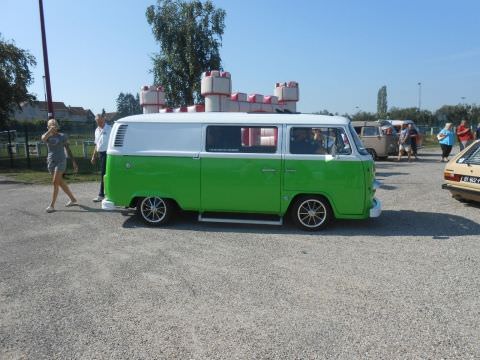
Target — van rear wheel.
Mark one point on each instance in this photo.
(311, 213)
(155, 210)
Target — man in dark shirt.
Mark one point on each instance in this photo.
(413, 133)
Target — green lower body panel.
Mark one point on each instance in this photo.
(128, 177)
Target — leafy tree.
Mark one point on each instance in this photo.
(323, 112)
(364, 116)
(457, 113)
(190, 35)
(128, 105)
(424, 117)
(15, 76)
(382, 102)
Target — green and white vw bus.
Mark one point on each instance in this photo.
(239, 167)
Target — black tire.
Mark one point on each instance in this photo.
(155, 210)
(311, 213)
(383, 158)
(373, 153)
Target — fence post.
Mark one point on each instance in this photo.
(10, 148)
(27, 147)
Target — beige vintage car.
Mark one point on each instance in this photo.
(462, 174)
(379, 138)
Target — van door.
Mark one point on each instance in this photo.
(319, 160)
(241, 169)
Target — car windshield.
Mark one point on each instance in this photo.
(358, 143)
(471, 156)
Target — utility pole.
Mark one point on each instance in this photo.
(50, 109)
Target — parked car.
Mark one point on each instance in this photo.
(379, 138)
(462, 174)
(397, 124)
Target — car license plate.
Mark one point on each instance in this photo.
(471, 179)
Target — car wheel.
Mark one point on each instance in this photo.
(155, 210)
(311, 213)
(373, 153)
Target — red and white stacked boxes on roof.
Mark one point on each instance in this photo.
(152, 99)
(196, 108)
(216, 87)
(239, 103)
(270, 104)
(288, 95)
(256, 102)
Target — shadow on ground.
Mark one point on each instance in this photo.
(391, 223)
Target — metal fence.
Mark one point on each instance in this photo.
(21, 146)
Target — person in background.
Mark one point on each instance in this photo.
(404, 143)
(413, 133)
(102, 134)
(57, 144)
(477, 132)
(465, 136)
(446, 138)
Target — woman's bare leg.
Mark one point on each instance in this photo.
(57, 175)
(66, 189)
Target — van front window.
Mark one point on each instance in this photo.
(358, 143)
(319, 141)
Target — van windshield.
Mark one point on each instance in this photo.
(358, 143)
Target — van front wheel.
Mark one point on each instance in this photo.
(311, 213)
(154, 210)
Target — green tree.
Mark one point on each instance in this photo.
(128, 105)
(424, 117)
(364, 116)
(457, 113)
(15, 76)
(382, 102)
(190, 35)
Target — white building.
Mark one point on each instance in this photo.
(37, 110)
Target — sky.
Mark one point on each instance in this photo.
(341, 52)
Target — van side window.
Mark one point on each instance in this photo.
(370, 131)
(320, 141)
(241, 139)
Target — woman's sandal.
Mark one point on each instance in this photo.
(71, 203)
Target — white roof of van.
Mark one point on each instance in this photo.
(235, 118)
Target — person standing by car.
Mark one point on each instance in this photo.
(102, 134)
(465, 136)
(404, 143)
(446, 138)
(57, 144)
(413, 133)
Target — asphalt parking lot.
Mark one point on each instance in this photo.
(82, 283)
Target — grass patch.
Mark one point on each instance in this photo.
(38, 173)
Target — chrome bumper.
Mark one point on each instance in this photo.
(376, 210)
(107, 205)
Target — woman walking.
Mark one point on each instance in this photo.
(57, 144)
(446, 138)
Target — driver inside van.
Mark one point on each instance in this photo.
(302, 142)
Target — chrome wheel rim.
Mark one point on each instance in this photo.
(312, 213)
(153, 209)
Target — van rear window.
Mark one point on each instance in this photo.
(241, 139)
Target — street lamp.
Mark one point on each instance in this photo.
(419, 96)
